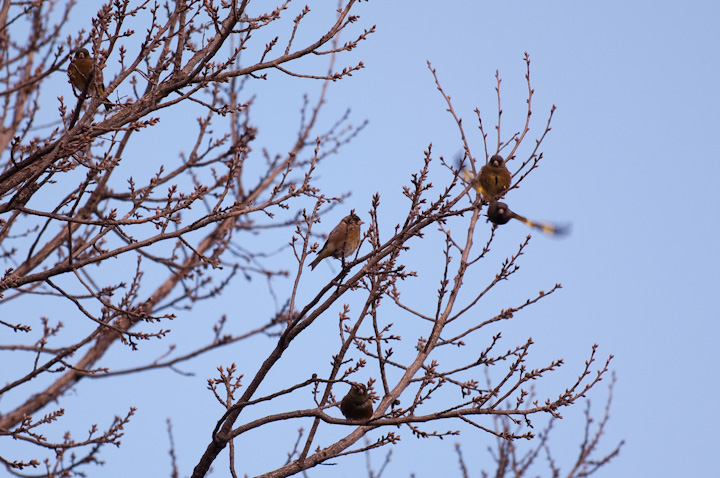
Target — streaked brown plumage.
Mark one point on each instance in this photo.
(342, 241)
(82, 73)
(357, 404)
(499, 213)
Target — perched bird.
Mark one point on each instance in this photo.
(357, 404)
(342, 241)
(82, 73)
(499, 213)
(493, 180)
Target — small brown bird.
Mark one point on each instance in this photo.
(82, 73)
(499, 213)
(357, 404)
(342, 241)
(493, 180)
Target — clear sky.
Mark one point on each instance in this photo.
(635, 84)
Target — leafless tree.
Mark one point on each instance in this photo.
(70, 210)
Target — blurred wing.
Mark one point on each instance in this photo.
(546, 227)
(468, 176)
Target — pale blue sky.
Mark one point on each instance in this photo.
(630, 161)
